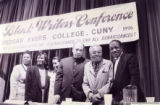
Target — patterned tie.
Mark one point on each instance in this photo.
(96, 67)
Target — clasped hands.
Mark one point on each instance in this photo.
(94, 96)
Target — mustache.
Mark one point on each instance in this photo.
(96, 56)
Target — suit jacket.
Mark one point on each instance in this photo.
(101, 82)
(127, 73)
(69, 82)
(33, 89)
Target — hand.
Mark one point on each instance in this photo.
(56, 99)
(121, 102)
(96, 97)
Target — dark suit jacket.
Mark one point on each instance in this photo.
(127, 73)
(69, 84)
(33, 90)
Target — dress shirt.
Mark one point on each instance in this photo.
(43, 77)
(115, 66)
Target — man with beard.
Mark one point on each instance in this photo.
(69, 76)
(126, 71)
(97, 76)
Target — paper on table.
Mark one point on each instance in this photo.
(14, 101)
(144, 103)
(150, 99)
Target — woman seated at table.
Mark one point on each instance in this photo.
(37, 80)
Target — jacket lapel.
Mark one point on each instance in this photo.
(119, 68)
(79, 68)
(38, 77)
(91, 69)
(39, 81)
(71, 64)
(102, 66)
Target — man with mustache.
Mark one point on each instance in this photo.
(97, 76)
(126, 71)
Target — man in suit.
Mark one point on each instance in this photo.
(126, 71)
(69, 77)
(97, 76)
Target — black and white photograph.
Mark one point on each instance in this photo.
(79, 52)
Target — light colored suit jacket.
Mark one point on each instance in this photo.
(101, 82)
(17, 82)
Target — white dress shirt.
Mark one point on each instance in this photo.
(43, 77)
(116, 65)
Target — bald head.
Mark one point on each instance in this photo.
(77, 50)
(95, 53)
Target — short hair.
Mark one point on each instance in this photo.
(42, 53)
(45, 57)
(90, 48)
(27, 52)
(56, 58)
(118, 41)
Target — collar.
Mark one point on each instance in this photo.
(24, 67)
(100, 65)
(78, 60)
(97, 63)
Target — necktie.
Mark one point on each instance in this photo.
(113, 69)
(96, 67)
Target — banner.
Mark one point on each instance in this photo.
(94, 26)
